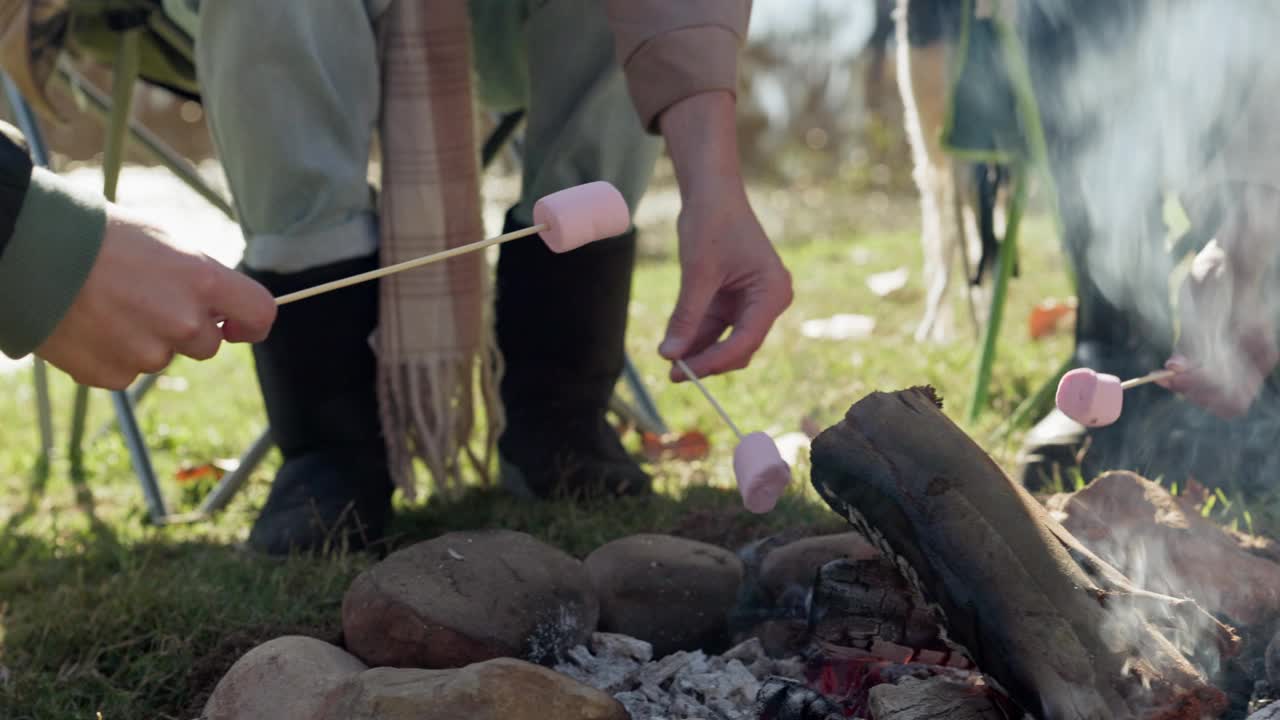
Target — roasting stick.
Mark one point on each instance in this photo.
(1148, 378)
(761, 472)
(407, 265)
(710, 398)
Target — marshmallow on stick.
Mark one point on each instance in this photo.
(1095, 399)
(761, 472)
(566, 220)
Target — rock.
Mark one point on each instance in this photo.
(789, 571)
(285, 679)
(1160, 544)
(502, 689)
(1270, 712)
(935, 697)
(468, 597)
(1273, 662)
(673, 593)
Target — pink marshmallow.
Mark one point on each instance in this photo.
(1090, 398)
(762, 473)
(581, 214)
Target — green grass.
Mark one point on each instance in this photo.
(100, 612)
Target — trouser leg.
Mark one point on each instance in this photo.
(291, 94)
(561, 319)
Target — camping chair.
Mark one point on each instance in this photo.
(153, 41)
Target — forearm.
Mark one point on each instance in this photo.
(701, 136)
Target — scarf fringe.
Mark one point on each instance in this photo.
(429, 413)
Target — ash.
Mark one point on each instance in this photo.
(681, 685)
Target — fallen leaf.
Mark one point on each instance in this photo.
(887, 283)
(839, 327)
(1051, 316)
(686, 446)
(191, 472)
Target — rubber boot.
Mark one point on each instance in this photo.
(317, 374)
(1109, 340)
(561, 323)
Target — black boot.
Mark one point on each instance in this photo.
(561, 322)
(317, 374)
(1110, 340)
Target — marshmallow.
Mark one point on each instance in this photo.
(762, 473)
(1090, 398)
(581, 214)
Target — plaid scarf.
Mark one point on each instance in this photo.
(433, 337)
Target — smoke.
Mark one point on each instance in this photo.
(1147, 101)
(1149, 104)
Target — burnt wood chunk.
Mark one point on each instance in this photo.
(1058, 630)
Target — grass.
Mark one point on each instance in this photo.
(101, 612)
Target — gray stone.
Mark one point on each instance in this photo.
(502, 689)
(673, 593)
(468, 597)
(787, 573)
(288, 678)
(1273, 662)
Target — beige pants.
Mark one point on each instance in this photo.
(291, 92)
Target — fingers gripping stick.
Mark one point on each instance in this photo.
(566, 220)
(761, 472)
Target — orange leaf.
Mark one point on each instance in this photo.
(687, 446)
(1049, 316)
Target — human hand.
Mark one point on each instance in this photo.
(1227, 344)
(730, 274)
(147, 299)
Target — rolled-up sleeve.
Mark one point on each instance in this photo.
(673, 49)
(50, 234)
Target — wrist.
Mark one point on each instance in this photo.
(701, 137)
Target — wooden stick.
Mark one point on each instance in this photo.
(1148, 378)
(689, 373)
(406, 265)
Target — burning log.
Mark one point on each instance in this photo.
(866, 605)
(1062, 633)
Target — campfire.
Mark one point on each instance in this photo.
(958, 596)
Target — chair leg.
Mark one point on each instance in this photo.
(44, 412)
(1008, 256)
(139, 456)
(232, 482)
(122, 88)
(647, 406)
(157, 148)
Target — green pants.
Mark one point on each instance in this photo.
(291, 92)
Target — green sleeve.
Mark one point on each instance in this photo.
(55, 242)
